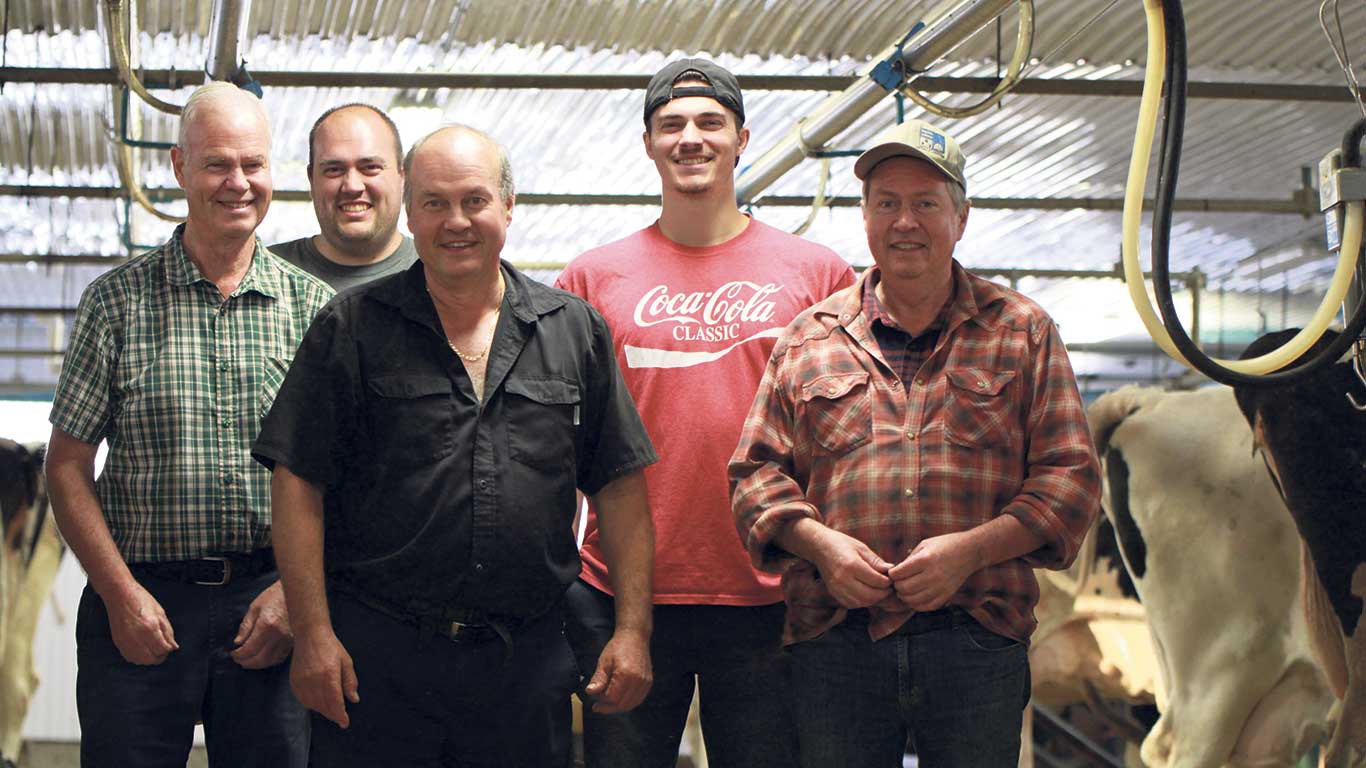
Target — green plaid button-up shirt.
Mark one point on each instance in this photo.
(177, 378)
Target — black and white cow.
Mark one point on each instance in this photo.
(21, 487)
(1314, 443)
(1214, 559)
(30, 554)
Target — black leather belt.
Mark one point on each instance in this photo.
(211, 570)
(932, 621)
(919, 623)
(459, 625)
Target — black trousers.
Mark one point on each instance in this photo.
(730, 653)
(144, 716)
(427, 701)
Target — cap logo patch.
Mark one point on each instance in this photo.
(933, 141)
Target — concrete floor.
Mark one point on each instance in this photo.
(54, 754)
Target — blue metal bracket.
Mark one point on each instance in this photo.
(890, 73)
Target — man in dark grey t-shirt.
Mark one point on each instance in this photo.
(355, 174)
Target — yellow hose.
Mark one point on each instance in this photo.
(123, 62)
(1133, 213)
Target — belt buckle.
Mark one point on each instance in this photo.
(459, 627)
(222, 580)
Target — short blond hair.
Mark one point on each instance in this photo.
(211, 93)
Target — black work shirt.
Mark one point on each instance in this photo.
(434, 502)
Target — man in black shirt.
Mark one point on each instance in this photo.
(427, 444)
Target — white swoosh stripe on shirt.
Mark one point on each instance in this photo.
(646, 357)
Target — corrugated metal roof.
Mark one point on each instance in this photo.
(1233, 34)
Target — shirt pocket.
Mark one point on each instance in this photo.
(411, 420)
(838, 411)
(542, 414)
(978, 413)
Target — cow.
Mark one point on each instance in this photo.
(1213, 557)
(30, 553)
(1313, 441)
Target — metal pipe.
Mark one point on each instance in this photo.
(948, 25)
(174, 79)
(227, 29)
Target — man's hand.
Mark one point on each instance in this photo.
(264, 639)
(934, 571)
(141, 631)
(623, 676)
(855, 576)
(321, 674)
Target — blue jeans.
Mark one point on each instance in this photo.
(427, 701)
(731, 653)
(957, 689)
(143, 716)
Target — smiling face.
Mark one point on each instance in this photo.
(356, 180)
(695, 144)
(223, 164)
(911, 222)
(457, 215)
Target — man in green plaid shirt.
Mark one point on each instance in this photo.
(174, 358)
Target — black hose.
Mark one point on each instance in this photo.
(1173, 126)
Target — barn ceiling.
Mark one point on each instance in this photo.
(560, 84)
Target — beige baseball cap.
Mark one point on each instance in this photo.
(915, 138)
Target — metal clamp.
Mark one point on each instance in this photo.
(1338, 184)
(1357, 354)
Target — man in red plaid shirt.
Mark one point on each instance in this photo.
(916, 448)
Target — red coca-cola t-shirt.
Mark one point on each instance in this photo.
(693, 329)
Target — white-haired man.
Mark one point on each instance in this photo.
(174, 358)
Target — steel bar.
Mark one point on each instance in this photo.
(169, 78)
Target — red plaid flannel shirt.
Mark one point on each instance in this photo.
(991, 424)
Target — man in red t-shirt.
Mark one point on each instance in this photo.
(695, 302)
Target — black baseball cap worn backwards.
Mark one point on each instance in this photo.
(721, 85)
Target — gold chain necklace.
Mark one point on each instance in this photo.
(488, 341)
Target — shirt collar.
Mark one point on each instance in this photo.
(970, 298)
(526, 299)
(876, 312)
(262, 276)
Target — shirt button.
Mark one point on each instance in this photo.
(910, 492)
(479, 567)
(920, 382)
(910, 434)
(832, 390)
(483, 484)
(981, 385)
(227, 422)
(224, 366)
(844, 316)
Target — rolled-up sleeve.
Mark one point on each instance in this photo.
(767, 492)
(1060, 497)
(85, 403)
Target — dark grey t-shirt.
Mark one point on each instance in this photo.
(303, 254)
